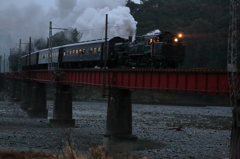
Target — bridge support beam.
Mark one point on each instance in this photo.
(62, 111)
(26, 95)
(118, 137)
(38, 102)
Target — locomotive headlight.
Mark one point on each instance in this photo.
(175, 39)
(180, 35)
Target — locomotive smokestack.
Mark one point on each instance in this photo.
(130, 38)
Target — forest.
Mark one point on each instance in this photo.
(204, 24)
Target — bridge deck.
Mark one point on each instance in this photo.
(193, 81)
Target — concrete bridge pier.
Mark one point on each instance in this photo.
(38, 101)
(62, 111)
(235, 134)
(26, 95)
(17, 90)
(118, 137)
(13, 90)
(9, 89)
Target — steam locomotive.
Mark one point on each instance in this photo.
(159, 50)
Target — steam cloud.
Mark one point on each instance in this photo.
(88, 16)
(156, 31)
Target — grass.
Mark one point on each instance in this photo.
(67, 153)
(25, 155)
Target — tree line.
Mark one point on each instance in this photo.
(204, 23)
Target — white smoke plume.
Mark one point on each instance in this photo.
(156, 31)
(88, 16)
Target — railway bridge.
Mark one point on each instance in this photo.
(117, 85)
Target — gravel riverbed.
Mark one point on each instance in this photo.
(164, 132)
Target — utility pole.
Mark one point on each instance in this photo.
(50, 47)
(105, 58)
(7, 70)
(29, 58)
(19, 55)
(232, 59)
(233, 81)
(20, 49)
(50, 62)
(4, 63)
(0, 63)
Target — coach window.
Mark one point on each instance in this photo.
(94, 50)
(99, 49)
(73, 52)
(64, 53)
(83, 51)
(77, 52)
(90, 50)
(86, 50)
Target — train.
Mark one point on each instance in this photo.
(158, 50)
